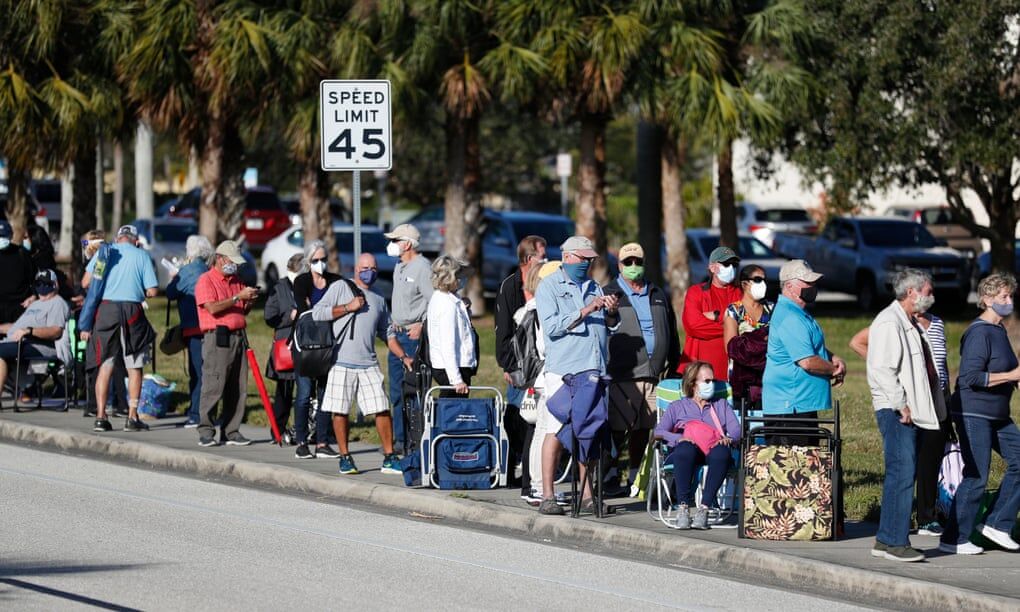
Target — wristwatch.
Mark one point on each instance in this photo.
(237, 299)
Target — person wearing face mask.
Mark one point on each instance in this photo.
(121, 330)
(688, 451)
(509, 300)
(704, 307)
(989, 373)
(279, 310)
(356, 376)
(799, 369)
(197, 251)
(38, 328)
(643, 349)
(223, 300)
(309, 287)
(905, 393)
(16, 281)
(412, 289)
(746, 334)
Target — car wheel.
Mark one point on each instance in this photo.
(271, 276)
(867, 295)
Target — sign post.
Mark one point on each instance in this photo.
(355, 124)
(564, 167)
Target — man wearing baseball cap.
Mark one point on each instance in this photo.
(121, 330)
(223, 300)
(799, 369)
(38, 329)
(643, 349)
(704, 306)
(412, 289)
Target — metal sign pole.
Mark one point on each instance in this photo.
(356, 196)
(563, 195)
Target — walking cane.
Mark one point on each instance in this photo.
(253, 365)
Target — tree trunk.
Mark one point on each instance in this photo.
(118, 183)
(316, 217)
(649, 177)
(67, 238)
(144, 208)
(1002, 218)
(17, 196)
(233, 202)
(83, 183)
(100, 191)
(591, 181)
(674, 217)
(725, 196)
(463, 210)
(212, 180)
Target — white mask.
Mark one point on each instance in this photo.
(4, 243)
(319, 268)
(706, 390)
(393, 249)
(726, 274)
(758, 291)
(923, 302)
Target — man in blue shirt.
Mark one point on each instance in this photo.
(121, 330)
(572, 310)
(799, 369)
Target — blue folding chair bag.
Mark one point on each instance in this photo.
(465, 463)
(459, 417)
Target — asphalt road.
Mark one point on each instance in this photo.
(78, 533)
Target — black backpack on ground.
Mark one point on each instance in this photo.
(312, 343)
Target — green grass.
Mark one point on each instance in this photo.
(862, 445)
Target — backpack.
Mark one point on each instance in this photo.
(524, 344)
(313, 345)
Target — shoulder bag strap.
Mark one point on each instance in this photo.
(715, 419)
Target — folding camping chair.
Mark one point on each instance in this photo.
(40, 368)
(464, 444)
(659, 497)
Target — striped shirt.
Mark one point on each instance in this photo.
(935, 334)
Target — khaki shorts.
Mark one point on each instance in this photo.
(632, 404)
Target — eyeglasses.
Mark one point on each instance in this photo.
(396, 239)
(633, 261)
(320, 260)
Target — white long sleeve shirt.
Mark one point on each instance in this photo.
(451, 341)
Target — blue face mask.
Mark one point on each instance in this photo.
(1003, 310)
(577, 272)
(368, 276)
(4, 243)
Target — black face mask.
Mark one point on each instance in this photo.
(809, 294)
(44, 289)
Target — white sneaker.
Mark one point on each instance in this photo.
(961, 549)
(998, 536)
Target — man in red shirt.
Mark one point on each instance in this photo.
(704, 306)
(223, 301)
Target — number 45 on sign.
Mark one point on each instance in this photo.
(356, 130)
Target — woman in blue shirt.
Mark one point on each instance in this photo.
(197, 252)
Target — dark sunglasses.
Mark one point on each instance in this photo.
(757, 279)
(320, 260)
(633, 261)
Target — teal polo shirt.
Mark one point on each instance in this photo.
(788, 388)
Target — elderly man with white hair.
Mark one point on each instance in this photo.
(197, 253)
(907, 398)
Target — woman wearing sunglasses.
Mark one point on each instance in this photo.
(745, 335)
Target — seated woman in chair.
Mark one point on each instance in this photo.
(699, 432)
(38, 328)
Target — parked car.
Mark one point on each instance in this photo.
(291, 241)
(701, 242)
(430, 223)
(293, 207)
(166, 237)
(764, 222)
(45, 193)
(264, 216)
(860, 255)
(939, 221)
(983, 263)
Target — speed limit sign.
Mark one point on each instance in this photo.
(355, 119)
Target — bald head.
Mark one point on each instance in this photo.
(366, 267)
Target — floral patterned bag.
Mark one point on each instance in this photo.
(787, 493)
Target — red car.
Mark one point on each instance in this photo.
(264, 215)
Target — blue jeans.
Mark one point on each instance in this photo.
(978, 438)
(396, 371)
(899, 444)
(302, 406)
(194, 376)
(686, 458)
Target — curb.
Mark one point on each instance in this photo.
(756, 566)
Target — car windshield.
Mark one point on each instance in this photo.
(782, 215)
(893, 234)
(47, 192)
(261, 200)
(371, 242)
(175, 232)
(747, 247)
(555, 232)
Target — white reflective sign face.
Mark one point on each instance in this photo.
(356, 127)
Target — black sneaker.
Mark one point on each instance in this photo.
(237, 439)
(102, 425)
(135, 425)
(326, 452)
(302, 452)
(207, 441)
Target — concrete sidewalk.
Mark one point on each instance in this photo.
(843, 569)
